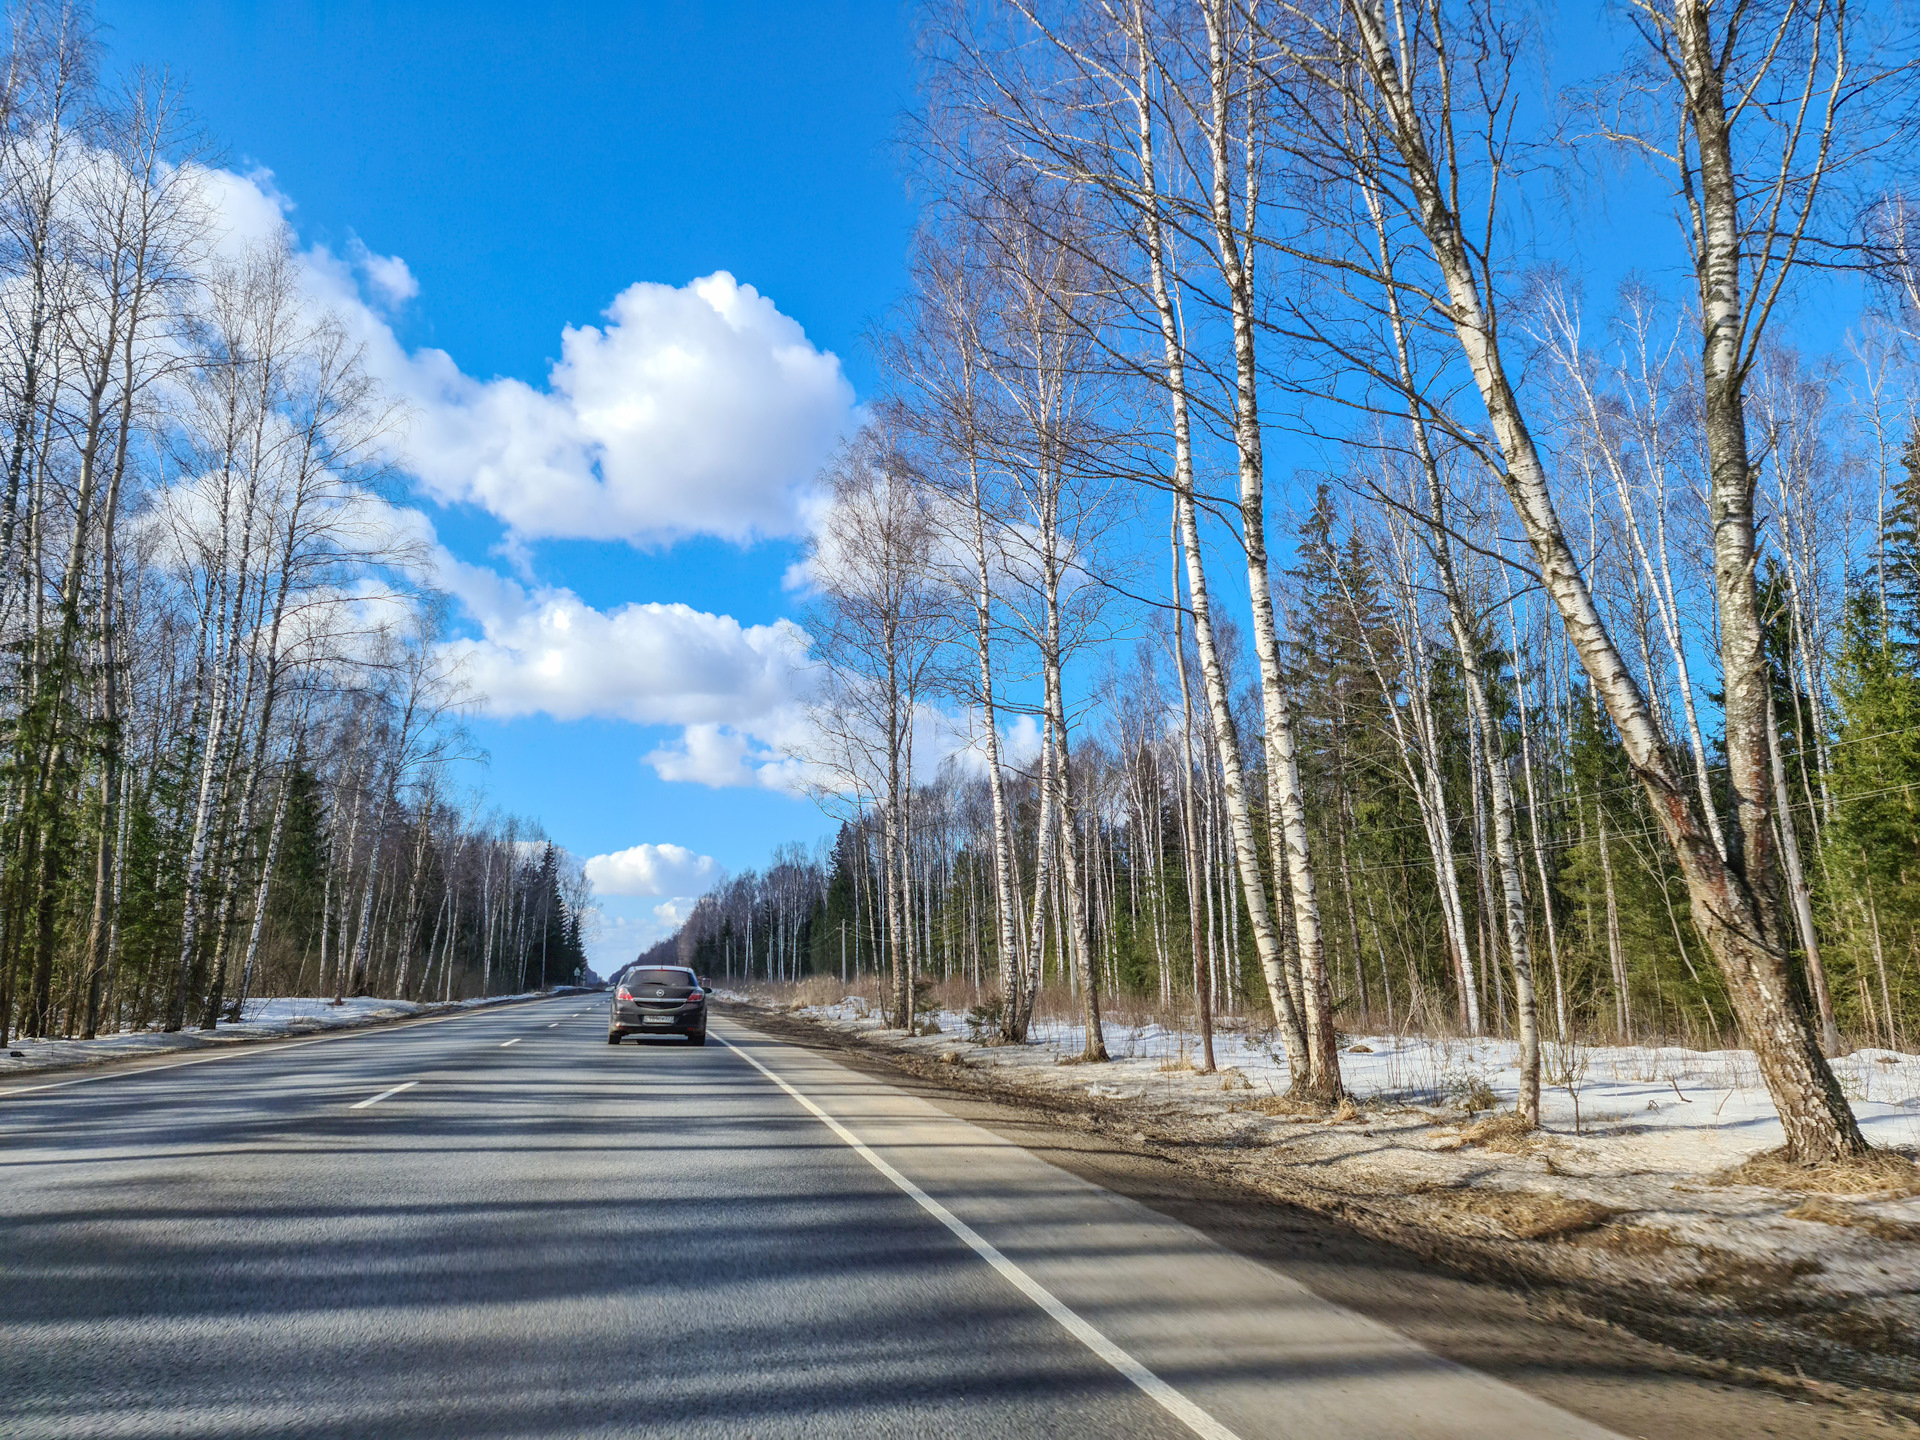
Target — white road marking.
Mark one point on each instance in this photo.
(554, 1026)
(514, 1041)
(375, 1100)
(1156, 1389)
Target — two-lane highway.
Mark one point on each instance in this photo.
(498, 1225)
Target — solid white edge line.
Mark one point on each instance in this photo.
(266, 1045)
(1156, 1389)
(375, 1100)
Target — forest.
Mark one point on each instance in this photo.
(1362, 530)
(228, 728)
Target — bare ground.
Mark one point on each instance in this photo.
(1655, 1308)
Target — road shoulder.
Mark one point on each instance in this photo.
(1618, 1359)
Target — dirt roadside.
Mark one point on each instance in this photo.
(1721, 1353)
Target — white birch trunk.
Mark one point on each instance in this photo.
(1213, 677)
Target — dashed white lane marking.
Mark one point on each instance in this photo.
(514, 1041)
(554, 1026)
(1156, 1389)
(385, 1094)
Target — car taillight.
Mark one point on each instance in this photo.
(625, 994)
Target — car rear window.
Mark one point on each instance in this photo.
(680, 978)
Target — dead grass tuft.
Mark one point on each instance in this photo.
(1625, 1238)
(1505, 1132)
(1827, 1212)
(1878, 1172)
(1304, 1105)
(1528, 1214)
(1178, 1065)
(1749, 1277)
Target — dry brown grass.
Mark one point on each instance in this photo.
(1878, 1172)
(1623, 1237)
(1828, 1212)
(1505, 1132)
(1055, 1002)
(1527, 1214)
(813, 990)
(1302, 1107)
(956, 995)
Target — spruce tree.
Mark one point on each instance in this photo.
(1900, 556)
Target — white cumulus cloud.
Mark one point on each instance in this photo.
(694, 410)
(697, 409)
(546, 651)
(762, 753)
(388, 276)
(670, 870)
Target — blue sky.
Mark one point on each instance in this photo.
(528, 163)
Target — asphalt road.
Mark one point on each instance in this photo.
(540, 1234)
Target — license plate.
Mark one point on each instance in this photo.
(656, 1019)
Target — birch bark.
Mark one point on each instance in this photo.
(1286, 809)
(1232, 776)
(1732, 908)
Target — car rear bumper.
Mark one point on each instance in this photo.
(674, 1023)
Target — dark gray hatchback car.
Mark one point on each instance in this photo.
(658, 1002)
